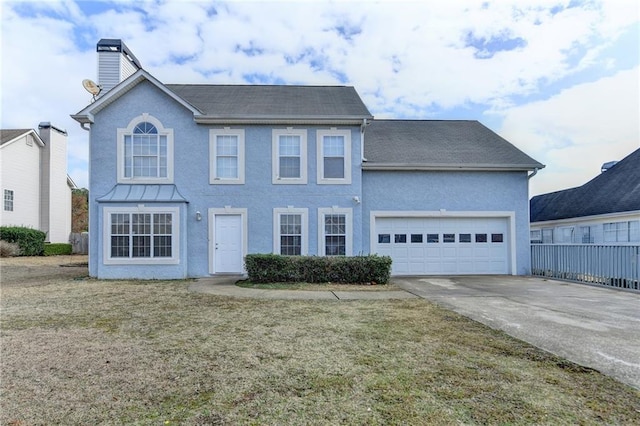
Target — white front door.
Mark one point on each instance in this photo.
(227, 244)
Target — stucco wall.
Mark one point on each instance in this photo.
(191, 162)
(451, 191)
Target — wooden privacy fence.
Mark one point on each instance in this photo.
(79, 242)
(606, 265)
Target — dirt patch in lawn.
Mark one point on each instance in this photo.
(319, 287)
(136, 352)
(41, 270)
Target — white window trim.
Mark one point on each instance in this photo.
(347, 156)
(348, 224)
(275, 156)
(175, 236)
(213, 134)
(120, 150)
(304, 213)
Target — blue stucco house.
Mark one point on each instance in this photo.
(186, 179)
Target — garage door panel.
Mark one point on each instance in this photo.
(465, 266)
(465, 252)
(444, 245)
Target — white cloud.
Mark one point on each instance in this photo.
(578, 130)
(406, 59)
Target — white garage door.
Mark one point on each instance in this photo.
(444, 246)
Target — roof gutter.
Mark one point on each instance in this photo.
(278, 119)
(449, 167)
(535, 172)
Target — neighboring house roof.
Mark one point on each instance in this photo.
(143, 193)
(273, 101)
(70, 183)
(10, 135)
(440, 145)
(614, 191)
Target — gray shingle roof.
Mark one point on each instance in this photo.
(436, 143)
(273, 101)
(616, 190)
(7, 135)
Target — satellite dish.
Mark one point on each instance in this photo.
(91, 87)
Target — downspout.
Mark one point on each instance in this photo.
(363, 126)
(82, 126)
(535, 172)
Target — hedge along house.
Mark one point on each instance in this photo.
(185, 180)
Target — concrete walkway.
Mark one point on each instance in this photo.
(594, 327)
(225, 286)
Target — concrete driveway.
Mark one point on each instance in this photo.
(594, 327)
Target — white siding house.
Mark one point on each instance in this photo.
(35, 187)
(20, 157)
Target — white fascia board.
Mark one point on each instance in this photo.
(30, 131)
(70, 183)
(86, 115)
(264, 119)
(571, 220)
(450, 167)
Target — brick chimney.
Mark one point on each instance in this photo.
(115, 63)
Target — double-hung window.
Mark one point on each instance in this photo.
(622, 232)
(335, 232)
(145, 152)
(334, 156)
(535, 236)
(290, 230)
(141, 235)
(289, 156)
(8, 200)
(226, 156)
(586, 235)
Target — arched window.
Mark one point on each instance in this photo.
(145, 151)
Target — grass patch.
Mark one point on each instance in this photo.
(129, 352)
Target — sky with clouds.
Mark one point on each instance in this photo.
(558, 79)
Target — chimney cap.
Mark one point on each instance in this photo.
(117, 45)
(47, 125)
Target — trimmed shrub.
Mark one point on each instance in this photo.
(31, 241)
(263, 268)
(57, 249)
(8, 249)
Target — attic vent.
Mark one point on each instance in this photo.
(606, 166)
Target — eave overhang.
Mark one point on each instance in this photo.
(35, 134)
(451, 167)
(278, 119)
(590, 218)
